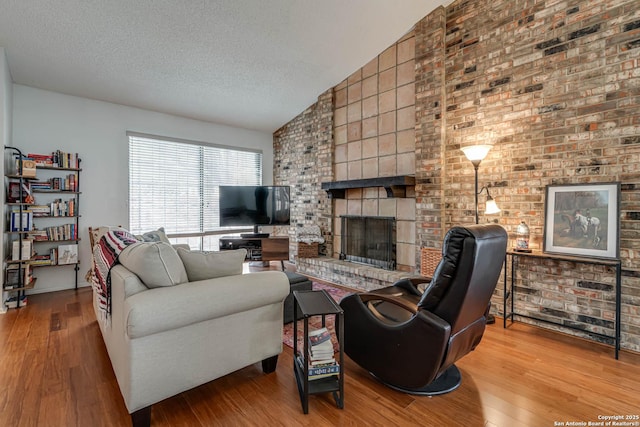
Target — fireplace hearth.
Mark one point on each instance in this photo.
(369, 240)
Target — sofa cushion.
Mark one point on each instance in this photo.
(157, 264)
(209, 265)
(170, 308)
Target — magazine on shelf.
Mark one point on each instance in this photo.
(319, 336)
(322, 362)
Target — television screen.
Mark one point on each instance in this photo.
(251, 205)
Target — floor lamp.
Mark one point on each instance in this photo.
(476, 154)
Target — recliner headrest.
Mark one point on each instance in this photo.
(452, 248)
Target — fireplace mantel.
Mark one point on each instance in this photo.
(396, 186)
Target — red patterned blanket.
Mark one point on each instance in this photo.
(105, 256)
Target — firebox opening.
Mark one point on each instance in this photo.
(369, 240)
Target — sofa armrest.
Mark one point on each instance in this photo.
(122, 277)
(167, 308)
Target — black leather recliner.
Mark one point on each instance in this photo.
(410, 338)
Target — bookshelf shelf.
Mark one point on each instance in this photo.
(39, 194)
(30, 285)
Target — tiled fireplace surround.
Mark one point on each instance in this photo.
(372, 124)
(553, 86)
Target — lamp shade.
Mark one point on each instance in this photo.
(491, 207)
(476, 153)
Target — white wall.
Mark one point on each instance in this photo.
(5, 137)
(44, 121)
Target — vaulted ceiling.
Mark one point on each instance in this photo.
(254, 64)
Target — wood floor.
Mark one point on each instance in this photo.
(54, 371)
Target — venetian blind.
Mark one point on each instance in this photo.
(174, 183)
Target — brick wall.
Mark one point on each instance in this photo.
(303, 158)
(554, 86)
(430, 79)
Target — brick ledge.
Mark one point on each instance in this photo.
(349, 274)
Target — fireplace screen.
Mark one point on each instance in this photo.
(369, 240)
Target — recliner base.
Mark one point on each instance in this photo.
(445, 383)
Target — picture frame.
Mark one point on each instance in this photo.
(13, 192)
(583, 220)
(67, 254)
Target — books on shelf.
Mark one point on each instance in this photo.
(320, 360)
(22, 255)
(21, 223)
(39, 235)
(12, 302)
(39, 210)
(40, 260)
(57, 159)
(58, 207)
(61, 232)
(320, 371)
(42, 159)
(323, 351)
(67, 183)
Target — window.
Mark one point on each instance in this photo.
(174, 184)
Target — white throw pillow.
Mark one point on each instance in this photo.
(154, 236)
(209, 265)
(157, 264)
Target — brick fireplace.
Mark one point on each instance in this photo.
(551, 85)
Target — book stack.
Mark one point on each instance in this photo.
(57, 159)
(41, 185)
(41, 260)
(322, 363)
(12, 302)
(40, 210)
(41, 159)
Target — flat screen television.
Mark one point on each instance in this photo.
(254, 205)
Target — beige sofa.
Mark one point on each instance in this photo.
(168, 338)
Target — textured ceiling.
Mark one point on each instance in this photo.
(254, 64)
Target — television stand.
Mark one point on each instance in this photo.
(254, 235)
(259, 248)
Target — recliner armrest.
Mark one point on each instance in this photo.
(410, 284)
(401, 302)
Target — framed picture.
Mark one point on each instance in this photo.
(583, 220)
(67, 254)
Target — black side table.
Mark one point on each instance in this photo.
(316, 303)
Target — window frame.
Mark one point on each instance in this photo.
(183, 237)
